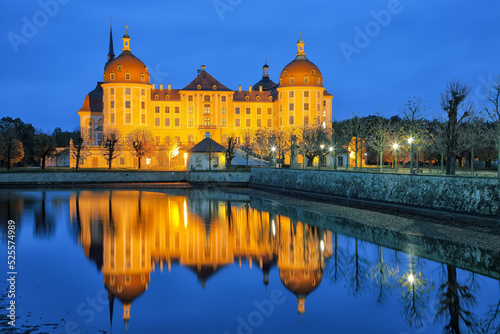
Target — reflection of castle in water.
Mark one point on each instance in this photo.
(128, 233)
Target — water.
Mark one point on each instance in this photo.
(189, 261)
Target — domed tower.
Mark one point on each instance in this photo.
(302, 98)
(126, 90)
(266, 83)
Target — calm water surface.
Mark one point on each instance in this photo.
(192, 261)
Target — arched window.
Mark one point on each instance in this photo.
(214, 87)
(247, 97)
(157, 96)
(313, 72)
(206, 98)
(206, 109)
(127, 76)
(198, 87)
(257, 98)
(167, 96)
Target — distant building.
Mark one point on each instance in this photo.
(125, 100)
(199, 155)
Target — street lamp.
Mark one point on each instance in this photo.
(395, 147)
(333, 158)
(410, 141)
(320, 160)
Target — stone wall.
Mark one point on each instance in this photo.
(464, 194)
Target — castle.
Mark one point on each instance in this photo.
(126, 100)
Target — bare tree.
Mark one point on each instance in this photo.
(379, 135)
(247, 145)
(210, 154)
(142, 141)
(44, 146)
(356, 128)
(472, 137)
(308, 145)
(111, 145)
(79, 146)
(493, 96)
(230, 151)
(453, 102)
(11, 148)
(339, 139)
(172, 150)
(413, 112)
(262, 143)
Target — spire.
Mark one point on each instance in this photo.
(111, 53)
(265, 69)
(126, 40)
(300, 48)
(111, 299)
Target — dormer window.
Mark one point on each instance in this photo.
(318, 81)
(127, 76)
(306, 79)
(285, 73)
(270, 98)
(198, 87)
(112, 76)
(157, 96)
(313, 72)
(119, 68)
(143, 77)
(257, 98)
(292, 80)
(247, 97)
(167, 96)
(214, 87)
(281, 81)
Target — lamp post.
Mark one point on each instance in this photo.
(320, 160)
(410, 141)
(333, 158)
(395, 147)
(273, 157)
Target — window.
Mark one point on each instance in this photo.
(306, 120)
(318, 81)
(286, 72)
(269, 123)
(214, 87)
(281, 95)
(317, 107)
(223, 122)
(143, 105)
(112, 104)
(167, 139)
(259, 123)
(207, 121)
(143, 118)
(313, 72)
(167, 110)
(257, 98)
(223, 98)
(157, 109)
(167, 121)
(237, 122)
(112, 119)
(119, 67)
(198, 87)
(247, 98)
(237, 111)
(223, 110)
(127, 91)
(122, 161)
(190, 139)
(324, 113)
(306, 106)
(291, 80)
(306, 80)
(177, 139)
(206, 98)
(190, 110)
(176, 110)
(177, 122)
(157, 96)
(324, 103)
(157, 122)
(248, 111)
(190, 98)
(190, 122)
(127, 76)
(128, 117)
(291, 120)
(112, 76)
(143, 92)
(198, 162)
(167, 96)
(127, 104)
(259, 111)
(281, 107)
(206, 109)
(269, 111)
(290, 94)
(291, 107)
(112, 91)
(143, 77)
(306, 93)
(157, 140)
(248, 123)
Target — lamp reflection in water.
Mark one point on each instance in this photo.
(203, 235)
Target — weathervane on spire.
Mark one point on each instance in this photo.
(126, 28)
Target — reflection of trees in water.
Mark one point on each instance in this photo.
(384, 277)
(334, 266)
(456, 302)
(415, 295)
(44, 220)
(11, 208)
(356, 270)
(491, 322)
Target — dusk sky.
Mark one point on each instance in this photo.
(373, 54)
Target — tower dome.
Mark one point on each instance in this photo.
(301, 283)
(301, 71)
(126, 68)
(266, 83)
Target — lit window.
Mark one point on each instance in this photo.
(248, 111)
(248, 123)
(177, 122)
(127, 91)
(190, 122)
(259, 111)
(223, 110)
(157, 109)
(324, 113)
(157, 122)
(223, 98)
(190, 110)
(223, 122)
(207, 121)
(127, 76)
(167, 121)
(237, 122)
(206, 109)
(127, 104)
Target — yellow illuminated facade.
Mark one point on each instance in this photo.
(131, 233)
(126, 100)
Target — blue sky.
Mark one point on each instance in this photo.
(373, 54)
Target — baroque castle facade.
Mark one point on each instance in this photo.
(126, 100)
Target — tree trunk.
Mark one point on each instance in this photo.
(110, 163)
(139, 158)
(381, 153)
(442, 162)
(498, 161)
(472, 160)
(43, 163)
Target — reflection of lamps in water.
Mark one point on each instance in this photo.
(411, 278)
(185, 159)
(273, 226)
(148, 161)
(322, 245)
